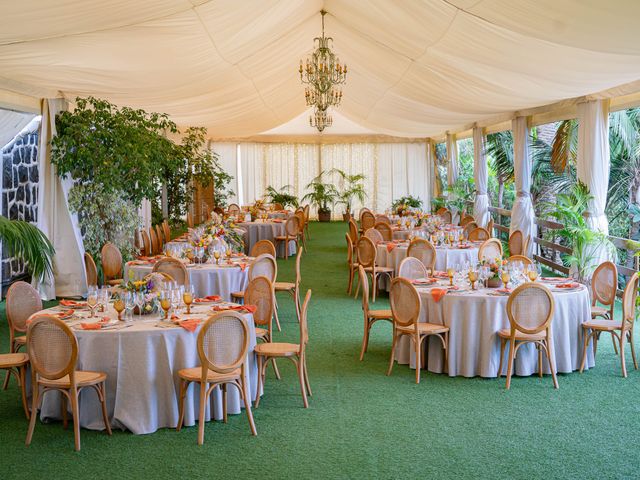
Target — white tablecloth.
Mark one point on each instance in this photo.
(207, 279)
(259, 230)
(474, 319)
(142, 364)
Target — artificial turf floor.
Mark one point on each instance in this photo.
(361, 423)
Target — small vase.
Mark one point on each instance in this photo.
(493, 282)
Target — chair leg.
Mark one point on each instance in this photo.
(224, 402)
(510, 364)
(596, 337)
(585, 345)
(275, 315)
(539, 360)
(615, 347)
(552, 364)
(418, 344)
(260, 382)
(374, 287)
(350, 284)
(183, 391)
(365, 338)
(303, 388)
(306, 375)
(23, 390)
(34, 409)
(247, 405)
(622, 361)
(393, 352)
(75, 411)
(275, 368)
(12, 349)
(502, 345)
(633, 350)
(203, 406)
(63, 410)
(103, 401)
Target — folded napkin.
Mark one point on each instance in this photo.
(568, 285)
(243, 266)
(277, 220)
(503, 290)
(438, 293)
(553, 279)
(208, 298)
(237, 308)
(72, 303)
(439, 274)
(189, 325)
(64, 313)
(390, 246)
(424, 281)
(91, 326)
(464, 246)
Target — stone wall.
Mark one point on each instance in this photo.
(20, 178)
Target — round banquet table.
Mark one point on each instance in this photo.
(261, 230)
(474, 319)
(445, 257)
(142, 361)
(281, 214)
(207, 278)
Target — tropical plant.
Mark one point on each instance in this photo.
(437, 203)
(407, 201)
(351, 187)
(460, 194)
(499, 149)
(281, 197)
(322, 195)
(28, 244)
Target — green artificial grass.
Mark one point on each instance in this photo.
(361, 423)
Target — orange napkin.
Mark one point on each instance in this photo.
(568, 285)
(91, 326)
(243, 266)
(423, 281)
(277, 220)
(189, 325)
(64, 313)
(72, 303)
(440, 274)
(237, 308)
(438, 293)
(390, 246)
(503, 290)
(208, 298)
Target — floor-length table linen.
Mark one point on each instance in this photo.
(269, 230)
(474, 319)
(142, 387)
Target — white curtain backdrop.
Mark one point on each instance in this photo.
(452, 159)
(481, 177)
(55, 219)
(418, 174)
(228, 159)
(252, 165)
(522, 213)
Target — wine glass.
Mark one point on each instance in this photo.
(505, 277)
(119, 306)
(105, 296)
(129, 304)
(451, 272)
(187, 297)
(175, 299)
(92, 299)
(165, 302)
(216, 255)
(229, 254)
(473, 276)
(139, 301)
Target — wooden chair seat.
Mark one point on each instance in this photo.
(83, 379)
(114, 282)
(379, 269)
(599, 311)
(9, 360)
(602, 324)
(261, 332)
(431, 328)
(195, 374)
(283, 238)
(380, 314)
(284, 286)
(277, 349)
(529, 337)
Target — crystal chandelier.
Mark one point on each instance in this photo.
(322, 72)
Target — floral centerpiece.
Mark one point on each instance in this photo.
(495, 266)
(257, 209)
(224, 235)
(149, 287)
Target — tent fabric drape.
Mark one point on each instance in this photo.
(55, 219)
(481, 177)
(227, 154)
(452, 159)
(432, 166)
(252, 166)
(594, 158)
(522, 213)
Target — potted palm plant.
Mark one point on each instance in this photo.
(351, 188)
(282, 197)
(322, 196)
(27, 243)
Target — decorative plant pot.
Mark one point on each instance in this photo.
(494, 282)
(324, 216)
(147, 309)
(346, 217)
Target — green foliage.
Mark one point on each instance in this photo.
(322, 195)
(437, 203)
(27, 243)
(351, 187)
(409, 201)
(282, 197)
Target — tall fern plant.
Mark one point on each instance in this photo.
(27, 243)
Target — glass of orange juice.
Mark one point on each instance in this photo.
(187, 297)
(450, 273)
(165, 302)
(118, 305)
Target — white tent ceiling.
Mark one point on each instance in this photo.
(11, 123)
(416, 68)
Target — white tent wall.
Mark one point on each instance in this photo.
(228, 159)
(481, 177)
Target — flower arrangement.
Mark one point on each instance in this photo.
(150, 286)
(495, 266)
(225, 233)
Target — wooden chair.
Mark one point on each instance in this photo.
(223, 342)
(353, 234)
(155, 243)
(374, 235)
(307, 213)
(385, 231)
(190, 223)
(604, 284)
(301, 224)
(167, 231)
(367, 259)
(296, 352)
(520, 258)
(490, 250)
(146, 244)
(53, 353)
(621, 331)
(405, 308)
(351, 262)
(412, 268)
(111, 259)
(90, 269)
(16, 364)
(370, 316)
(468, 228)
(292, 288)
(233, 209)
(446, 216)
(362, 210)
(291, 232)
(424, 251)
(478, 234)
(490, 227)
(278, 206)
(367, 221)
(263, 246)
(441, 210)
(530, 310)
(173, 267)
(517, 243)
(161, 240)
(383, 219)
(466, 219)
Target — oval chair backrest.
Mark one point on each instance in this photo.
(465, 220)
(111, 261)
(405, 302)
(263, 246)
(446, 216)
(362, 210)
(22, 301)
(307, 212)
(530, 308)
(173, 267)
(412, 268)
(264, 265)
(478, 234)
(223, 342)
(490, 250)
(424, 251)
(366, 252)
(161, 240)
(383, 219)
(233, 209)
(353, 230)
(155, 247)
(364, 285)
(260, 293)
(490, 227)
(629, 297)
(90, 269)
(468, 228)
(292, 226)
(374, 235)
(520, 258)
(146, 243)
(604, 283)
(300, 216)
(367, 221)
(52, 346)
(349, 249)
(516, 243)
(278, 206)
(167, 231)
(385, 231)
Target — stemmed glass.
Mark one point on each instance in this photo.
(534, 272)
(473, 276)
(175, 299)
(165, 302)
(187, 297)
(129, 304)
(119, 305)
(505, 277)
(199, 253)
(105, 296)
(450, 272)
(139, 301)
(92, 299)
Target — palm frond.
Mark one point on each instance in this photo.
(29, 244)
(564, 148)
